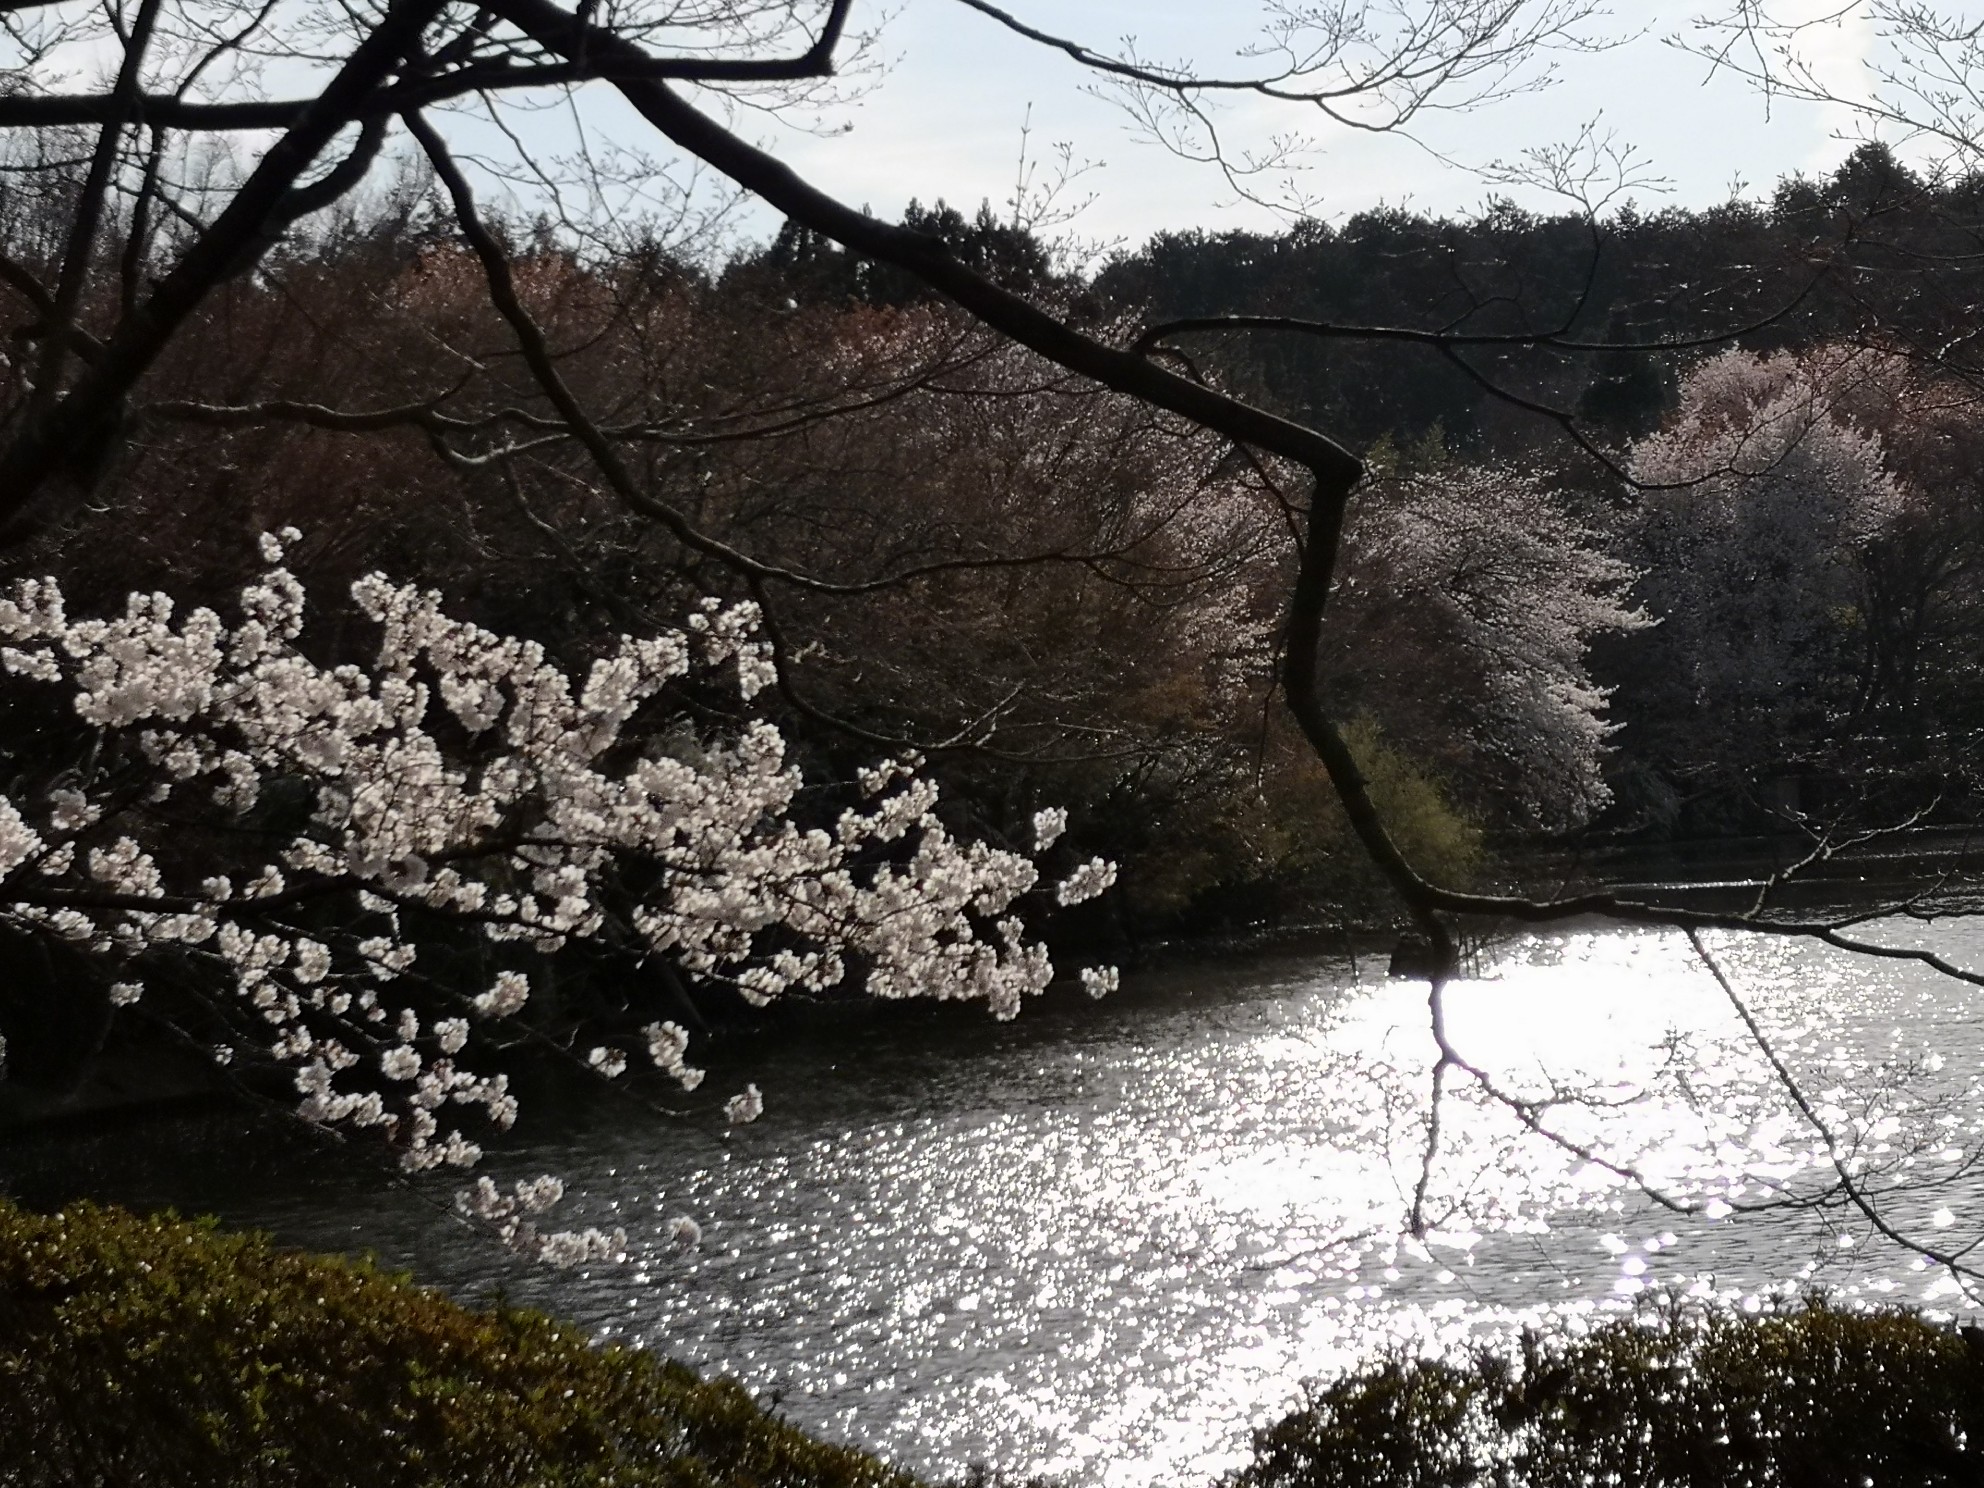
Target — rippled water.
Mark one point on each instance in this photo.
(1105, 1241)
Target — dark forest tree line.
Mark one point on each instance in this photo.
(831, 416)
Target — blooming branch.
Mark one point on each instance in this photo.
(463, 780)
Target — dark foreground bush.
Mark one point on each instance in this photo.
(155, 1351)
(1801, 1395)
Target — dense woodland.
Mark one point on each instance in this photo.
(1059, 595)
(1839, 575)
(1691, 558)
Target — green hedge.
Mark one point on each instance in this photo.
(156, 1351)
(1802, 1394)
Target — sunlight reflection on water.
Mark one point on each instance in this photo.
(1104, 1242)
(1107, 1248)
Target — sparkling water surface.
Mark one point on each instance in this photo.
(1105, 1241)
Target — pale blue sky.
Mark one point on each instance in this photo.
(945, 119)
(942, 117)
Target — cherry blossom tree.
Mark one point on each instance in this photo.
(1771, 499)
(461, 781)
(1468, 601)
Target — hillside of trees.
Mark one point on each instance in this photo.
(1062, 596)
(1802, 362)
(1693, 585)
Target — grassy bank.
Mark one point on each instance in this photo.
(150, 1350)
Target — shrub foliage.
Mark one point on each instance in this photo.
(1799, 1394)
(152, 1350)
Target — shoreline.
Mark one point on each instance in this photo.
(125, 1085)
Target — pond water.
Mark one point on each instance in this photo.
(1105, 1241)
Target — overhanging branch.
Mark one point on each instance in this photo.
(171, 111)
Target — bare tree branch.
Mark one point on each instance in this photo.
(89, 413)
(172, 111)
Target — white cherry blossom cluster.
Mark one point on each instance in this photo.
(1092, 878)
(511, 1216)
(1100, 981)
(1487, 585)
(745, 1107)
(1774, 476)
(464, 777)
(667, 1044)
